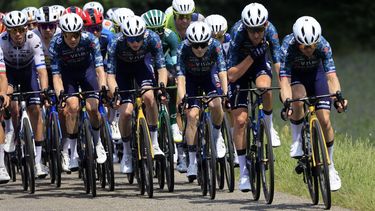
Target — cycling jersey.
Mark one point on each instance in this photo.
(170, 23)
(77, 59)
(170, 45)
(46, 45)
(104, 39)
(225, 45)
(294, 60)
(2, 64)
(109, 25)
(241, 43)
(188, 63)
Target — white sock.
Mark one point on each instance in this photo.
(330, 154)
(296, 132)
(2, 165)
(8, 125)
(127, 148)
(66, 144)
(242, 162)
(154, 138)
(73, 147)
(192, 158)
(38, 156)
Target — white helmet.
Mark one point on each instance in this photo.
(218, 23)
(169, 10)
(47, 14)
(94, 5)
(110, 13)
(198, 32)
(30, 13)
(71, 22)
(307, 30)
(183, 6)
(60, 9)
(254, 15)
(133, 26)
(121, 14)
(14, 19)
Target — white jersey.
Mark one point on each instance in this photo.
(45, 44)
(2, 64)
(19, 57)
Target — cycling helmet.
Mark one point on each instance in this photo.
(154, 18)
(71, 22)
(218, 23)
(110, 13)
(47, 14)
(133, 26)
(60, 9)
(74, 9)
(94, 5)
(183, 7)
(30, 13)
(254, 15)
(169, 10)
(1, 16)
(2, 26)
(198, 32)
(307, 30)
(121, 14)
(92, 17)
(109, 25)
(14, 19)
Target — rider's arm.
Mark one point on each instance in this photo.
(180, 68)
(274, 42)
(157, 52)
(3, 75)
(112, 84)
(57, 83)
(333, 82)
(40, 61)
(286, 89)
(235, 72)
(55, 64)
(285, 74)
(98, 61)
(181, 87)
(220, 62)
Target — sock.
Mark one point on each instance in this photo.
(242, 162)
(154, 134)
(330, 153)
(2, 165)
(296, 131)
(268, 118)
(38, 156)
(73, 148)
(8, 125)
(126, 145)
(66, 144)
(180, 151)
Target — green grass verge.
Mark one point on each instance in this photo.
(354, 162)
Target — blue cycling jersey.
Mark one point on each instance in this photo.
(87, 52)
(240, 44)
(293, 58)
(188, 63)
(119, 49)
(104, 39)
(225, 45)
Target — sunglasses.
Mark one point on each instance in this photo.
(45, 26)
(159, 31)
(199, 45)
(94, 28)
(31, 26)
(308, 46)
(17, 29)
(183, 16)
(256, 29)
(134, 39)
(70, 35)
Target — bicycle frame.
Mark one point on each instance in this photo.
(140, 115)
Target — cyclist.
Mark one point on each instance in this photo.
(308, 69)
(77, 61)
(24, 60)
(94, 5)
(60, 9)
(155, 20)
(248, 62)
(129, 59)
(119, 15)
(74, 9)
(30, 14)
(2, 26)
(199, 61)
(4, 176)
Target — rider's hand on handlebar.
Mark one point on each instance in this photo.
(341, 106)
(287, 111)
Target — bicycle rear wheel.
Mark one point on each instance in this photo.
(147, 164)
(211, 157)
(229, 156)
(55, 151)
(320, 155)
(90, 159)
(310, 178)
(29, 155)
(252, 163)
(107, 171)
(266, 161)
(202, 163)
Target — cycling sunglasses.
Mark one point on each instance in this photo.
(256, 29)
(183, 16)
(20, 30)
(94, 28)
(134, 39)
(46, 26)
(199, 45)
(70, 35)
(308, 46)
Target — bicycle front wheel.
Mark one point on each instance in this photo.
(29, 155)
(321, 160)
(56, 151)
(147, 165)
(107, 170)
(90, 159)
(252, 163)
(229, 156)
(266, 161)
(211, 157)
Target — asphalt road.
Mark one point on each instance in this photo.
(187, 196)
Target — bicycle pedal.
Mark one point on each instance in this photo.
(299, 169)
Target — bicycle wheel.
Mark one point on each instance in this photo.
(89, 159)
(211, 157)
(56, 151)
(310, 178)
(107, 171)
(320, 155)
(147, 164)
(29, 155)
(266, 161)
(10, 165)
(229, 156)
(220, 172)
(202, 162)
(167, 146)
(252, 163)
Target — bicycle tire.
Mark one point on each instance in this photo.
(229, 157)
(29, 155)
(10, 166)
(56, 150)
(310, 178)
(220, 172)
(202, 163)
(321, 160)
(90, 159)
(252, 164)
(82, 172)
(147, 164)
(211, 156)
(108, 171)
(168, 149)
(267, 162)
